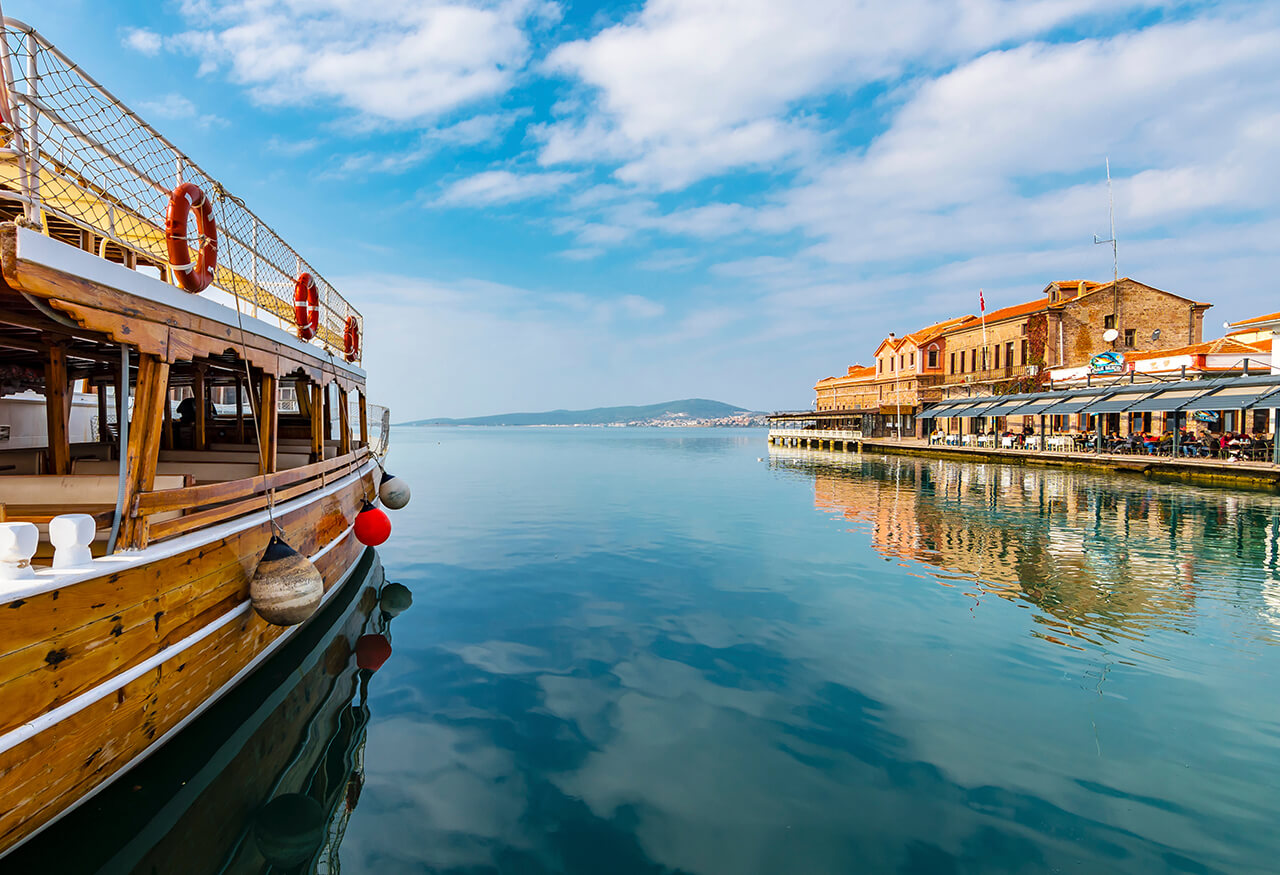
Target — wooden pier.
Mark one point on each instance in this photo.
(1221, 471)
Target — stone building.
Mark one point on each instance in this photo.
(1066, 328)
(908, 372)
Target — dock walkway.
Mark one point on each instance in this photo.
(1222, 471)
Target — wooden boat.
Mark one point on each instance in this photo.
(295, 727)
(230, 406)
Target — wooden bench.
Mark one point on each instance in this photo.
(203, 472)
(284, 460)
(20, 461)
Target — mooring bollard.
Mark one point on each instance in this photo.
(71, 534)
(18, 542)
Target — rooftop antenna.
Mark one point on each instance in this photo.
(1115, 257)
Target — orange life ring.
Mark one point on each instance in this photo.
(351, 339)
(192, 276)
(306, 306)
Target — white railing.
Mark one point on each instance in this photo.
(75, 152)
(817, 434)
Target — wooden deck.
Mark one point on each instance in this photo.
(1221, 471)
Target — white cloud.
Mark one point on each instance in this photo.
(178, 107)
(500, 187)
(581, 253)
(692, 88)
(989, 156)
(478, 130)
(398, 60)
(148, 42)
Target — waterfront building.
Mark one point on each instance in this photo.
(879, 399)
(1065, 327)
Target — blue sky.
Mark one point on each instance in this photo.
(540, 204)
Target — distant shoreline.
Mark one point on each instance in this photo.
(570, 425)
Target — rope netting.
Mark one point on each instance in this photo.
(91, 161)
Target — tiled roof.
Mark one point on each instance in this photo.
(1220, 346)
(1002, 313)
(1270, 317)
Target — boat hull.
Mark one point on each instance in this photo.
(97, 673)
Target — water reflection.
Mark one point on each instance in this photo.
(266, 780)
(1103, 559)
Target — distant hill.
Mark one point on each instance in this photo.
(690, 408)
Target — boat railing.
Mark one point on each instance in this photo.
(210, 503)
(72, 151)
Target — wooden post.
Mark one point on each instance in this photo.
(142, 453)
(328, 415)
(317, 425)
(364, 422)
(167, 431)
(239, 410)
(104, 428)
(268, 419)
(57, 407)
(344, 423)
(200, 388)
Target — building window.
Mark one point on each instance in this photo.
(933, 359)
(997, 359)
(1128, 337)
(953, 365)
(912, 362)
(1024, 351)
(1109, 321)
(879, 369)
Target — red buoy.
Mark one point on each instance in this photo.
(373, 527)
(372, 651)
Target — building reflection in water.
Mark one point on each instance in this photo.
(1102, 558)
(266, 779)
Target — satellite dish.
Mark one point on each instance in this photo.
(1110, 334)
(1155, 335)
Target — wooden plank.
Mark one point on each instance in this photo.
(328, 413)
(239, 409)
(200, 390)
(104, 428)
(193, 521)
(344, 423)
(317, 424)
(364, 420)
(57, 409)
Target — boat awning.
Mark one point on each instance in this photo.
(1169, 400)
(1120, 400)
(1038, 405)
(1239, 398)
(1079, 402)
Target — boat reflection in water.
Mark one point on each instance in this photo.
(266, 779)
(1101, 559)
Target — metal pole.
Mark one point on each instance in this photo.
(33, 129)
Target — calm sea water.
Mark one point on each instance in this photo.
(675, 651)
